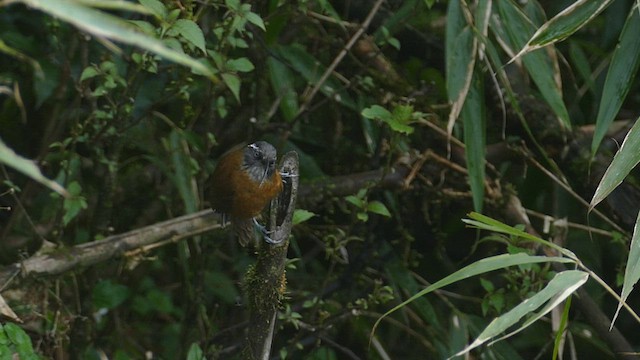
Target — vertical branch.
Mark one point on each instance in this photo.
(265, 283)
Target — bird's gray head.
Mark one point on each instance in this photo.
(260, 161)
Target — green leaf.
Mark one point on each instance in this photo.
(620, 77)
(88, 73)
(156, 7)
(632, 271)
(376, 112)
(559, 288)
(73, 204)
(565, 23)
(460, 57)
(540, 66)
(479, 267)
(359, 203)
(301, 215)
(28, 168)
(191, 32)
(623, 162)
(109, 295)
(106, 25)
(473, 117)
(195, 352)
(233, 83)
(241, 65)
(21, 340)
(256, 20)
(379, 208)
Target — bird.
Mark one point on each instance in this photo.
(244, 181)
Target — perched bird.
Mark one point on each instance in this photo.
(243, 182)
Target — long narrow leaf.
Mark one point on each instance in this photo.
(623, 162)
(477, 268)
(559, 288)
(473, 116)
(565, 23)
(460, 52)
(539, 65)
(27, 167)
(622, 72)
(105, 25)
(632, 272)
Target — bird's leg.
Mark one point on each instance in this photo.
(265, 232)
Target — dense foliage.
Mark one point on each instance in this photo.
(407, 116)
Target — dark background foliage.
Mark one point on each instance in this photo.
(134, 139)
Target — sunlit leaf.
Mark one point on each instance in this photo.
(28, 168)
(559, 288)
(565, 23)
(102, 24)
(479, 267)
(623, 162)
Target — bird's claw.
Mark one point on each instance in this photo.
(265, 232)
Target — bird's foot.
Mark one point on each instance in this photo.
(265, 232)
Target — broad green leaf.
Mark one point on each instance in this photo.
(479, 267)
(102, 24)
(156, 7)
(191, 32)
(473, 117)
(195, 352)
(88, 73)
(28, 168)
(460, 56)
(73, 204)
(559, 288)
(241, 65)
(233, 83)
(565, 23)
(301, 215)
(623, 162)
(376, 112)
(379, 208)
(620, 77)
(282, 82)
(256, 20)
(540, 66)
(632, 271)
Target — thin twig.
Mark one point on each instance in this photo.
(340, 56)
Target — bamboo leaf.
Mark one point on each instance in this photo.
(105, 25)
(479, 267)
(623, 162)
(632, 271)
(540, 66)
(559, 288)
(565, 23)
(620, 77)
(28, 168)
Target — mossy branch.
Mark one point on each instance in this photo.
(265, 283)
